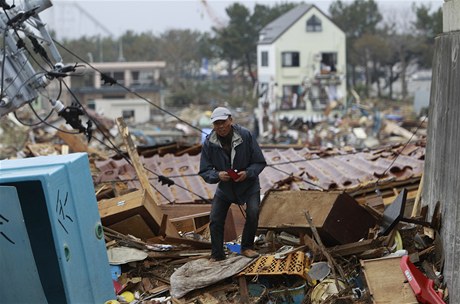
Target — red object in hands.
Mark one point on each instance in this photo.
(233, 174)
(422, 286)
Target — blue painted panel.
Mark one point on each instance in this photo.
(56, 195)
(17, 262)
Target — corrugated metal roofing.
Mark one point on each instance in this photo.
(287, 168)
(277, 27)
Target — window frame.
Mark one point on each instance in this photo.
(264, 59)
(294, 59)
(314, 24)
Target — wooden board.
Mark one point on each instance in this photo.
(134, 225)
(234, 222)
(338, 217)
(386, 281)
(120, 208)
(190, 222)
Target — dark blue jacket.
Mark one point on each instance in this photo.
(246, 155)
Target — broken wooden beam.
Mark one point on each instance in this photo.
(356, 247)
(135, 204)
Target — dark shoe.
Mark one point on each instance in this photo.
(249, 253)
(216, 259)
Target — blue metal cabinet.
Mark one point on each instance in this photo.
(57, 230)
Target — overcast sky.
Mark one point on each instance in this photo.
(72, 19)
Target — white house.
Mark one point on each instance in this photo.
(133, 110)
(301, 64)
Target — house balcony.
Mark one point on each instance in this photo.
(327, 78)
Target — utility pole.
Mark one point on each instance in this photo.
(442, 161)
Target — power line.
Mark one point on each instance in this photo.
(167, 180)
(111, 81)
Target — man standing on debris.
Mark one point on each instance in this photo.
(232, 157)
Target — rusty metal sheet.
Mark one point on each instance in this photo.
(301, 169)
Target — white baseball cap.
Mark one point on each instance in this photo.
(220, 113)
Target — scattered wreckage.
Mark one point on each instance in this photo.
(336, 226)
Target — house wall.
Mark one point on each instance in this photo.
(113, 108)
(266, 74)
(442, 162)
(310, 44)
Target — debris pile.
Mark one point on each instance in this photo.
(318, 252)
(336, 225)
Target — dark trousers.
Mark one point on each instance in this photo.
(219, 210)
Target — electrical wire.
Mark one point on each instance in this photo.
(158, 107)
(96, 123)
(34, 124)
(268, 165)
(50, 125)
(169, 113)
(119, 152)
(113, 81)
(26, 82)
(398, 154)
(184, 188)
(22, 44)
(143, 98)
(304, 180)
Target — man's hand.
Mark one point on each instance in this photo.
(223, 176)
(242, 177)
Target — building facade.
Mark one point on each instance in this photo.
(301, 64)
(134, 96)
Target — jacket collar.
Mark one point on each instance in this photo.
(236, 139)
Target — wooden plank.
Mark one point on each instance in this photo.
(186, 225)
(355, 248)
(135, 203)
(134, 156)
(64, 149)
(191, 222)
(334, 214)
(77, 143)
(192, 216)
(159, 289)
(134, 225)
(386, 281)
(234, 222)
(330, 259)
(74, 141)
(179, 254)
(243, 289)
(417, 203)
(151, 202)
(121, 204)
(42, 149)
(183, 241)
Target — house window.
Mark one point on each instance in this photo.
(328, 63)
(91, 104)
(113, 96)
(135, 77)
(119, 77)
(264, 56)
(290, 59)
(314, 24)
(292, 98)
(128, 114)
